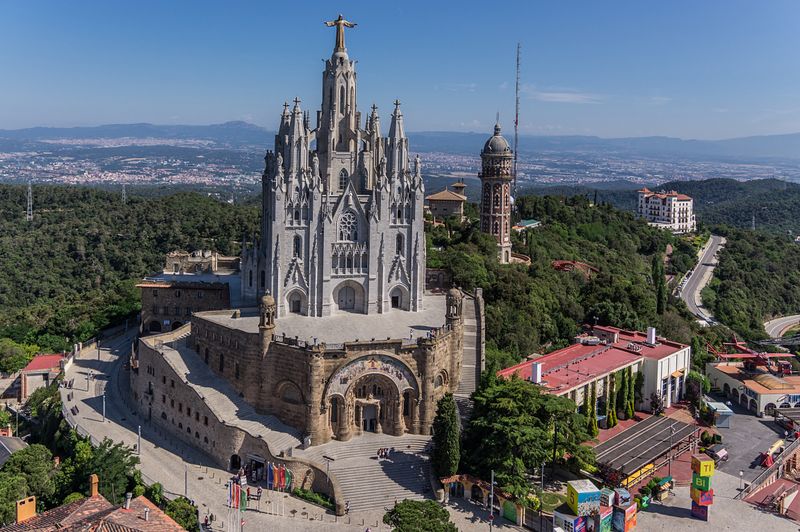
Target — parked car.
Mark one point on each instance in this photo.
(718, 453)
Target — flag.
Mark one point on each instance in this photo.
(269, 475)
(289, 479)
(283, 476)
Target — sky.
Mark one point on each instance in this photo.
(709, 69)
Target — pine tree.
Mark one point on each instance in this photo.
(659, 283)
(446, 438)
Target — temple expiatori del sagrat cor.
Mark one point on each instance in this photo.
(336, 334)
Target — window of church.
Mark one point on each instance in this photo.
(407, 403)
(341, 100)
(350, 262)
(399, 247)
(334, 409)
(343, 176)
(364, 262)
(297, 216)
(348, 226)
(298, 244)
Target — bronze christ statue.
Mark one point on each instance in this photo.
(340, 24)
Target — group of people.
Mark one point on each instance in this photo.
(385, 452)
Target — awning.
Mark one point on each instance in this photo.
(678, 373)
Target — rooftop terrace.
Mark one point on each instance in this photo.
(344, 327)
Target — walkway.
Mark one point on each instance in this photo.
(471, 361)
(369, 483)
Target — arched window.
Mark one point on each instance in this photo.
(341, 100)
(406, 403)
(348, 227)
(364, 261)
(399, 247)
(250, 277)
(334, 409)
(343, 176)
(297, 215)
(297, 248)
(495, 228)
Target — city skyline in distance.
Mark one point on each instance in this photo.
(711, 71)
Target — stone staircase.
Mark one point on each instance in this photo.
(471, 362)
(373, 484)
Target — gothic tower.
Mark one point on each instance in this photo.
(342, 220)
(496, 176)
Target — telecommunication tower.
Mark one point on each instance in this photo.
(516, 131)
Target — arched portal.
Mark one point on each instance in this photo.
(770, 409)
(297, 302)
(154, 326)
(236, 462)
(726, 389)
(374, 393)
(349, 297)
(398, 297)
(176, 325)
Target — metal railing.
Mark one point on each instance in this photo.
(775, 469)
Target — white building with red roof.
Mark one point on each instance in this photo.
(667, 210)
(597, 355)
(39, 372)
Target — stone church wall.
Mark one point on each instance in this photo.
(165, 399)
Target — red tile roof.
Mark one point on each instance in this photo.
(579, 364)
(446, 195)
(42, 362)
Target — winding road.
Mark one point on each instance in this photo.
(693, 285)
(775, 328)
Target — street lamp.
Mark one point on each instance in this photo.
(741, 480)
(104, 406)
(669, 452)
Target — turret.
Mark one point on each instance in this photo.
(397, 145)
(266, 322)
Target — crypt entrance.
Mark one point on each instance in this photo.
(372, 394)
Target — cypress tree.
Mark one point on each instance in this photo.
(592, 423)
(611, 420)
(629, 411)
(446, 438)
(623, 390)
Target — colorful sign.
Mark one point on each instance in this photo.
(702, 498)
(583, 497)
(703, 465)
(699, 512)
(700, 482)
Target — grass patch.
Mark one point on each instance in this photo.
(551, 501)
(312, 496)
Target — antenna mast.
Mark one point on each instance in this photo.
(29, 215)
(516, 130)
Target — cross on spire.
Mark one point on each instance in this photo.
(297, 101)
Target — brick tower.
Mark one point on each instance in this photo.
(496, 176)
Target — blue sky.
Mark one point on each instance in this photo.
(709, 69)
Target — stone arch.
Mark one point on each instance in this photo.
(235, 462)
(349, 296)
(785, 405)
(297, 302)
(154, 326)
(343, 177)
(726, 389)
(754, 405)
(441, 379)
(399, 297)
(348, 225)
(288, 392)
(457, 490)
(743, 399)
(770, 409)
(176, 325)
(735, 394)
(297, 246)
(476, 494)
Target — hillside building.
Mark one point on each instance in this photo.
(603, 352)
(667, 210)
(446, 203)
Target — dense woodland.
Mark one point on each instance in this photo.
(758, 278)
(72, 270)
(538, 308)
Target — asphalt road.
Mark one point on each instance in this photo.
(776, 327)
(690, 293)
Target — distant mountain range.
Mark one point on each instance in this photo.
(243, 134)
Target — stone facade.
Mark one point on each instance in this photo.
(199, 262)
(342, 224)
(496, 177)
(167, 305)
(337, 391)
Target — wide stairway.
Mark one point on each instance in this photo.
(471, 363)
(373, 484)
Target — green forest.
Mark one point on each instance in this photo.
(538, 308)
(758, 278)
(72, 270)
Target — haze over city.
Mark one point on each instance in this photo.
(708, 70)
